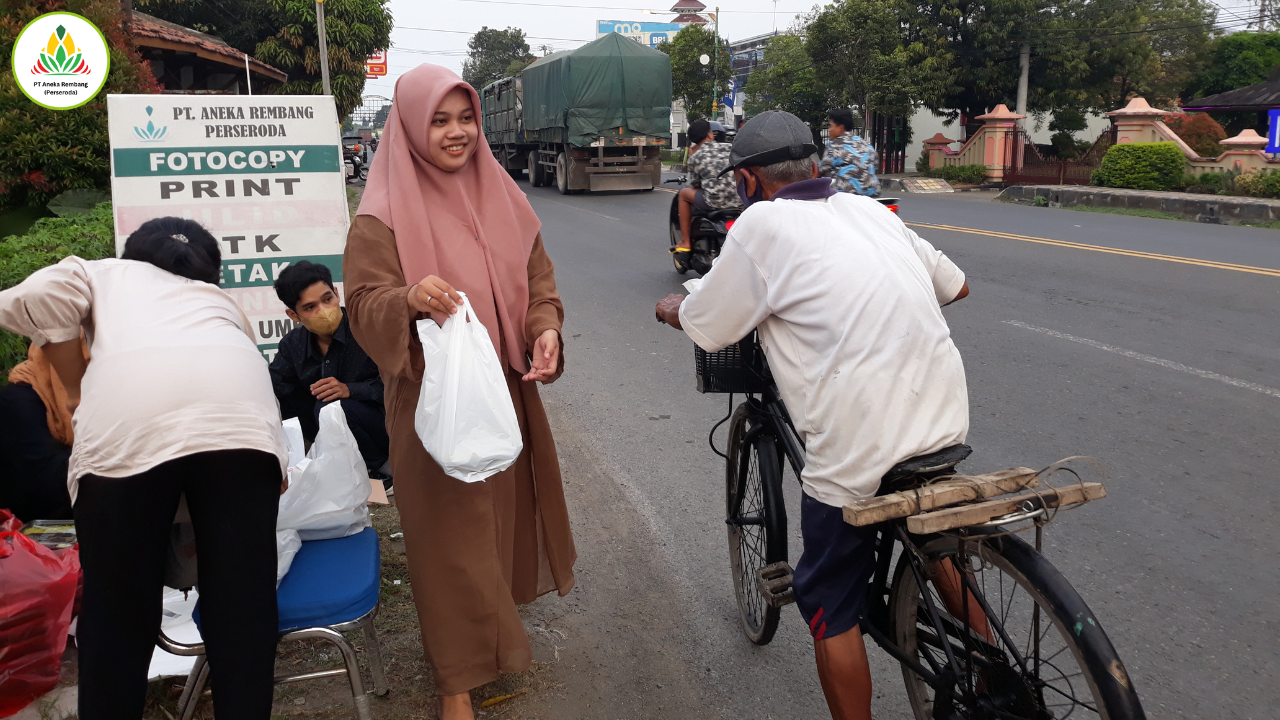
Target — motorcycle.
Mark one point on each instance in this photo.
(707, 231)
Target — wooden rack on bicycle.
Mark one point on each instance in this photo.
(958, 501)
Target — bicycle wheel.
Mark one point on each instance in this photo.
(756, 519)
(1042, 655)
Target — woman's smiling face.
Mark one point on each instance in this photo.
(453, 133)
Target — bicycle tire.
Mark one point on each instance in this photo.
(753, 490)
(1020, 567)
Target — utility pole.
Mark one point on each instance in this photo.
(324, 47)
(1024, 63)
(715, 70)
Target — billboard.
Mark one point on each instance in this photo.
(649, 34)
(375, 66)
(262, 173)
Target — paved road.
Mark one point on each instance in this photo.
(1167, 370)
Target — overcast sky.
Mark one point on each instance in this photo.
(419, 34)
(437, 31)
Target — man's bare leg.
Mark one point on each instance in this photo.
(845, 675)
(687, 196)
(947, 579)
(456, 707)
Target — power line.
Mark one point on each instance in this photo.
(468, 32)
(612, 7)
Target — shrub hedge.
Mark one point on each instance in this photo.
(1261, 183)
(91, 237)
(965, 174)
(1141, 166)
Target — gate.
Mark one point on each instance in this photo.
(1028, 166)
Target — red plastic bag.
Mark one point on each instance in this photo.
(37, 587)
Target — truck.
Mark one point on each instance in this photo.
(594, 118)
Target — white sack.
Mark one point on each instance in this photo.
(328, 491)
(465, 417)
(287, 545)
(294, 441)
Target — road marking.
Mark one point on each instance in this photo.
(1236, 382)
(1102, 248)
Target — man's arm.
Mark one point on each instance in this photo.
(731, 300)
(284, 376)
(949, 282)
(365, 383)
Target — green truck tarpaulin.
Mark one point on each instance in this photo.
(606, 84)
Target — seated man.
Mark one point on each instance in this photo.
(850, 161)
(708, 190)
(847, 301)
(320, 363)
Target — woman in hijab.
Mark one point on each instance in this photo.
(439, 216)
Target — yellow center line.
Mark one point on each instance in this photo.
(1102, 248)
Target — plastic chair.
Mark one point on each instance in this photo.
(331, 588)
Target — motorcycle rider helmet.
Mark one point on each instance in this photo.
(773, 136)
(717, 131)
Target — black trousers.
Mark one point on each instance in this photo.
(123, 526)
(33, 465)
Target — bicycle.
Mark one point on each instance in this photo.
(1035, 651)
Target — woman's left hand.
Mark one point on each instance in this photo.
(546, 357)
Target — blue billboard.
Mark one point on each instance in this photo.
(1273, 132)
(649, 34)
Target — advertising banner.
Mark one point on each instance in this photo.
(1273, 132)
(375, 66)
(263, 173)
(649, 34)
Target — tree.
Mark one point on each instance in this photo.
(1237, 61)
(45, 152)
(283, 33)
(691, 81)
(491, 52)
(860, 46)
(786, 80)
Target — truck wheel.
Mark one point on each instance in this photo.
(562, 174)
(535, 170)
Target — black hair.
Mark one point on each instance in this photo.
(299, 276)
(698, 130)
(842, 117)
(181, 246)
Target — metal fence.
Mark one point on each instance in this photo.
(1028, 166)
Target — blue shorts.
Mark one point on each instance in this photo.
(834, 571)
(700, 202)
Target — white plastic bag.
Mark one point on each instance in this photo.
(465, 417)
(328, 491)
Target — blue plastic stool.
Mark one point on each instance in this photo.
(331, 588)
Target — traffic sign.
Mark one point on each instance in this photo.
(375, 66)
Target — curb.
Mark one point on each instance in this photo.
(1212, 209)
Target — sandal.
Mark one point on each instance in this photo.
(680, 256)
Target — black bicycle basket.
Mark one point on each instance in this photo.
(739, 368)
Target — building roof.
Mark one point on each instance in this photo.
(1138, 107)
(684, 6)
(689, 18)
(153, 32)
(1252, 98)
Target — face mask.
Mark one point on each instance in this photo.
(742, 192)
(325, 321)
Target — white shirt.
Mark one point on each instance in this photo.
(847, 300)
(174, 370)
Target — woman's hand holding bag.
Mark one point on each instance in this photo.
(465, 417)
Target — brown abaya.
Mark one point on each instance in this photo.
(475, 550)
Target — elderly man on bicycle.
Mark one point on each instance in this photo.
(847, 302)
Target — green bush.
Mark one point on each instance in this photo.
(91, 237)
(964, 174)
(1141, 166)
(922, 163)
(1260, 183)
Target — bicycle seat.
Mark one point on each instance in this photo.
(922, 468)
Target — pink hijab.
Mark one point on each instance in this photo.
(474, 228)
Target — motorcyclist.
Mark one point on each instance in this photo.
(850, 161)
(847, 302)
(708, 188)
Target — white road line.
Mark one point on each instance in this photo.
(1152, 359)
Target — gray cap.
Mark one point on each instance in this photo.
(773, 136)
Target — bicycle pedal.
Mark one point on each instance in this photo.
(774, 583)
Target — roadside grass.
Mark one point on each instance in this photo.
(1139, 212)
(353, 199)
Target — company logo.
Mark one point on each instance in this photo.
(60, 56)
(60, 60)
(151, 133)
